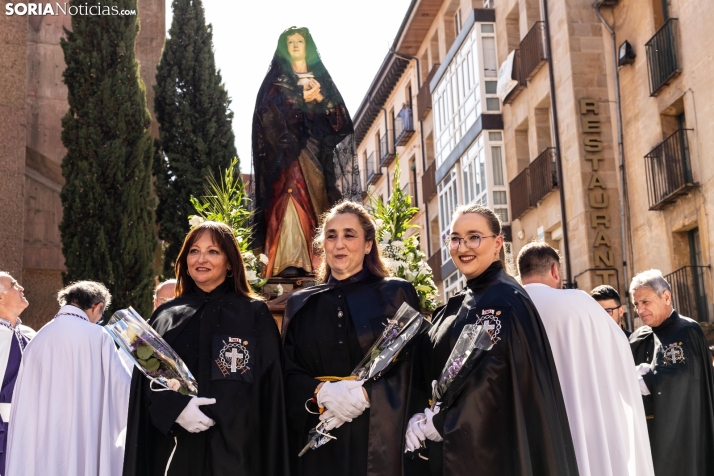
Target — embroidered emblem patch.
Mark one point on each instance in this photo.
(674, 354)
(233, 357)
(490, 321)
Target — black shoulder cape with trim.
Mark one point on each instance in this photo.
(680, 407)
(249, 435)
(510, 418)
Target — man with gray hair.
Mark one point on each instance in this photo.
(72, 393)
(164, 292)
(13, 340)
(595, 370)
(676, 380)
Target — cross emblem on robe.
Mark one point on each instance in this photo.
(235, 358)
(488, 326)
(673, 355)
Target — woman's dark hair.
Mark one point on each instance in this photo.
(84, 295)
(223, 237)
(373, 260)
(494, 223)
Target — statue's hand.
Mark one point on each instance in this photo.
(311, 91)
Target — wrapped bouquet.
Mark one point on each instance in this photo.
(470, 348)
(150, 353)
(406, 324)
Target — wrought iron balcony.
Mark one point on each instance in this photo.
(521, 194)
(662, 57)
(532, 51)
(669, 170)
(372, 172)
(689, 295)
(428, 182)
(424, 94)
(386, 151)
(403, 127)
(534, 183)
(543, 176)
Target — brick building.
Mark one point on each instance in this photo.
(32, 102)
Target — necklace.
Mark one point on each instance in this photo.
(16, 330)
(71, 314)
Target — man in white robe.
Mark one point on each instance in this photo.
(595, 368)
(13, 340)
(71, 398)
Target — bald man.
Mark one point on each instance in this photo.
(164, 292)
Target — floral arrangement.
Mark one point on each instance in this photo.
(402, 255)
(226, 201)
(150, 353)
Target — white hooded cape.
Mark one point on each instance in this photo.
(599, 382)
(70, 403)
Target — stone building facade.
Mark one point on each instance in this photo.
(439, 42)
(32, 103)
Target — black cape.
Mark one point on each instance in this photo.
(249, 435)
(680, 407)
(510, 418)
(327, 331)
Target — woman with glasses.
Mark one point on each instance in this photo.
(229, 341)
(509, 417)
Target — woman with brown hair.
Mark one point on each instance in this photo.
(230, 343)
(327, 331)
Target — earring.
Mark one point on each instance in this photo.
(229, 275)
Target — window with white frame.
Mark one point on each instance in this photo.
(499, 187)
(448, 201)
(454, 283)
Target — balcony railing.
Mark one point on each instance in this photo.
(534, 183)
(372, 172)
(521, 194)
(662, 57)
(689, 296)
(532, 51)
(434, 263)
(403, 127)
(428, 182)
(669, 171)
(516, 75)
(544, 176)
(424, 94)
(386, 151)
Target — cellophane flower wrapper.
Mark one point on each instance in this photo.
(150, 353)
(471, 346)
(399, 331)
(406, 323)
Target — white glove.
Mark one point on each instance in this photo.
(428, 428)
(335, 422)
(345, 399)
(643, 369)
(193, 419)
(415, 436)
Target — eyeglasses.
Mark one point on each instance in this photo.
(162, 300)
(610, 310)
(470, 241)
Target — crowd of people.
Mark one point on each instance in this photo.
(561, 390)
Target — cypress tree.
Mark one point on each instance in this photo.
(108, 225)
(196, 134)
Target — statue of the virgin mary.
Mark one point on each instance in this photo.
(299, 119)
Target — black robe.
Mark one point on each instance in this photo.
(327, 331)
(680, 407)
(510, 418)
(248, 438)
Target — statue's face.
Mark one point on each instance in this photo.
(296, 47)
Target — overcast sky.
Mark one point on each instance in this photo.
(353, 38)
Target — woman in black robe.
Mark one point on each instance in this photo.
(231, 344)
(510, 417)
(299, 118)
(327, 331)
